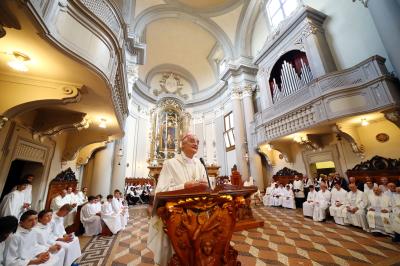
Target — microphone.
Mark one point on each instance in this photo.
(204, 164)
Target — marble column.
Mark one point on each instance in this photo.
(254, 157)
(387, 20)
(240, 134)
(119, 165)
(102, 171)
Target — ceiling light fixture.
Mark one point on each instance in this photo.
(364, 122)
(103, 123)
(18, 63)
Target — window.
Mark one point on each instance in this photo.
(229, 137)
(278, 10)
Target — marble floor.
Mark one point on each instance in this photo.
(287, 238)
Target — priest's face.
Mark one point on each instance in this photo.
(353, 187)
(29, 222)
(190, 145)
(392, 187)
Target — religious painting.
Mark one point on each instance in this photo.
(168, 138)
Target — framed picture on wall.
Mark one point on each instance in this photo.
(382, 137)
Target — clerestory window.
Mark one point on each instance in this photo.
(279, 10)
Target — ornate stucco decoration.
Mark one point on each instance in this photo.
(351, 136)
(171, 83)
(393, 115)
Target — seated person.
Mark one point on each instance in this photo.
(60, 200)
(384, 184)
(359, 184)
(109, 217)
(99, 202)
(51, 231)
(277, 193)
(395, 216)
(288, 198)
(321, 203)
(90, 218)
(378, 216)
(355, 207)
(83, 195)
(308, 205)
(8, 226)
(337, 208)
(145, 196)
(369, 186)
(14, 202)
(23, 247)
(267, 199)
(133, 196)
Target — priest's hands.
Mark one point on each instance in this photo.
(200, 184)
(40, 258)
(67, 238)
(26, 205)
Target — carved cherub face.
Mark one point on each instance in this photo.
(207, 246)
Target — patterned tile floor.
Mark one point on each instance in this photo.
(287, 238)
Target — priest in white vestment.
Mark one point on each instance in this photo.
(338, 200)
(183, 171)
(51, 231)
(23, 247)
(356, 202)
(384, 184)
(111, 218)
(369, 186)
(308, 205)
(288, 198)
(8, 225)
(72, 200)
(267, 197)
(321, 203)
(277, 193)
(90, 218)
(395, 215)
(14, 202)
(378, 215)
(298, 188)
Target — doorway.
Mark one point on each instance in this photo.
(18, 169)
(325, 167)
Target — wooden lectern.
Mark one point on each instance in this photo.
(200, 223)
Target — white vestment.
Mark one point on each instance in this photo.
(23, 246)
(267, 196)
(367, 189)
(174, 174)
(2, 246)
(321, 204)
(121, 210)
(395, 215)
(28, 193)
(71, 199)
(288, 199)
(12, 204)
(276, 196)
(58, 201)
(90, 220)
(111, 218)
(377, 220)
(338, 197)
(48, 235)
(356, 200)
(82, 198)
(308, 206)
(298, 185)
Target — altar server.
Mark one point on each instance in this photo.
(378, 216)
(51, 230)
(90, 218)
(83, 195)
(338, 198)
(288, 200)
(23, 247)
(356, 203)
(111, 218)
(119, 208)
(8, 226)
(14, 202)
(182, 171)
(308, 205)
(58, 201)
(321, 203)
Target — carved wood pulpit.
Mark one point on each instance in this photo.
(200, 223)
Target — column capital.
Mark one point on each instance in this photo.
(248, 90)
(236, 93)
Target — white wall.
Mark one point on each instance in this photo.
(350, 31)
(260, 33)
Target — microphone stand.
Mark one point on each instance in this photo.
(204, 164)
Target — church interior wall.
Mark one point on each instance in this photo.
(260, 33)
(350, 40)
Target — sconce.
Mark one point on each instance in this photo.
(364, 122)
(19, 61)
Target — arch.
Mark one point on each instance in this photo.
(161, 11)
(172, 68)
